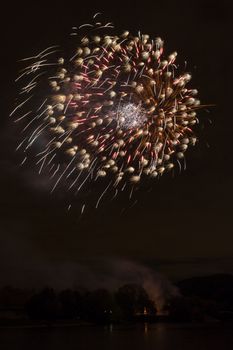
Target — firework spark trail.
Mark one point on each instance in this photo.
(114, 102)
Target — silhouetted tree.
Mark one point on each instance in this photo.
(43, 305)
(133, 298)
(186, 309)
(11, 297)
(69, 306)
(180, 310)
(98, 306)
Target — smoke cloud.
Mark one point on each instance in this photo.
(22, 266)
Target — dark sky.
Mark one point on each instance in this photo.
(183, 226)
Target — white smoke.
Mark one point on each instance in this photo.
(22, 266)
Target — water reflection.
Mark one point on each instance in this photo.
(145, 328)
(144, 336)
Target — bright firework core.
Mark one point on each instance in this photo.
(131, 116)
(112, 108)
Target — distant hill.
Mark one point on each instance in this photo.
(218, 287)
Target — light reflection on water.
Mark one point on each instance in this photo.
(145, 327)
(114, 337)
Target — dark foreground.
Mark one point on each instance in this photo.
(141, 337)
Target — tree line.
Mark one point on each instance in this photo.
(200, 299)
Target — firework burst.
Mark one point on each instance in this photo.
(115, 109)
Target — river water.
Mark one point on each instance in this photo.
(141, 337)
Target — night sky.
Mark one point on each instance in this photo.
(183, 226)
